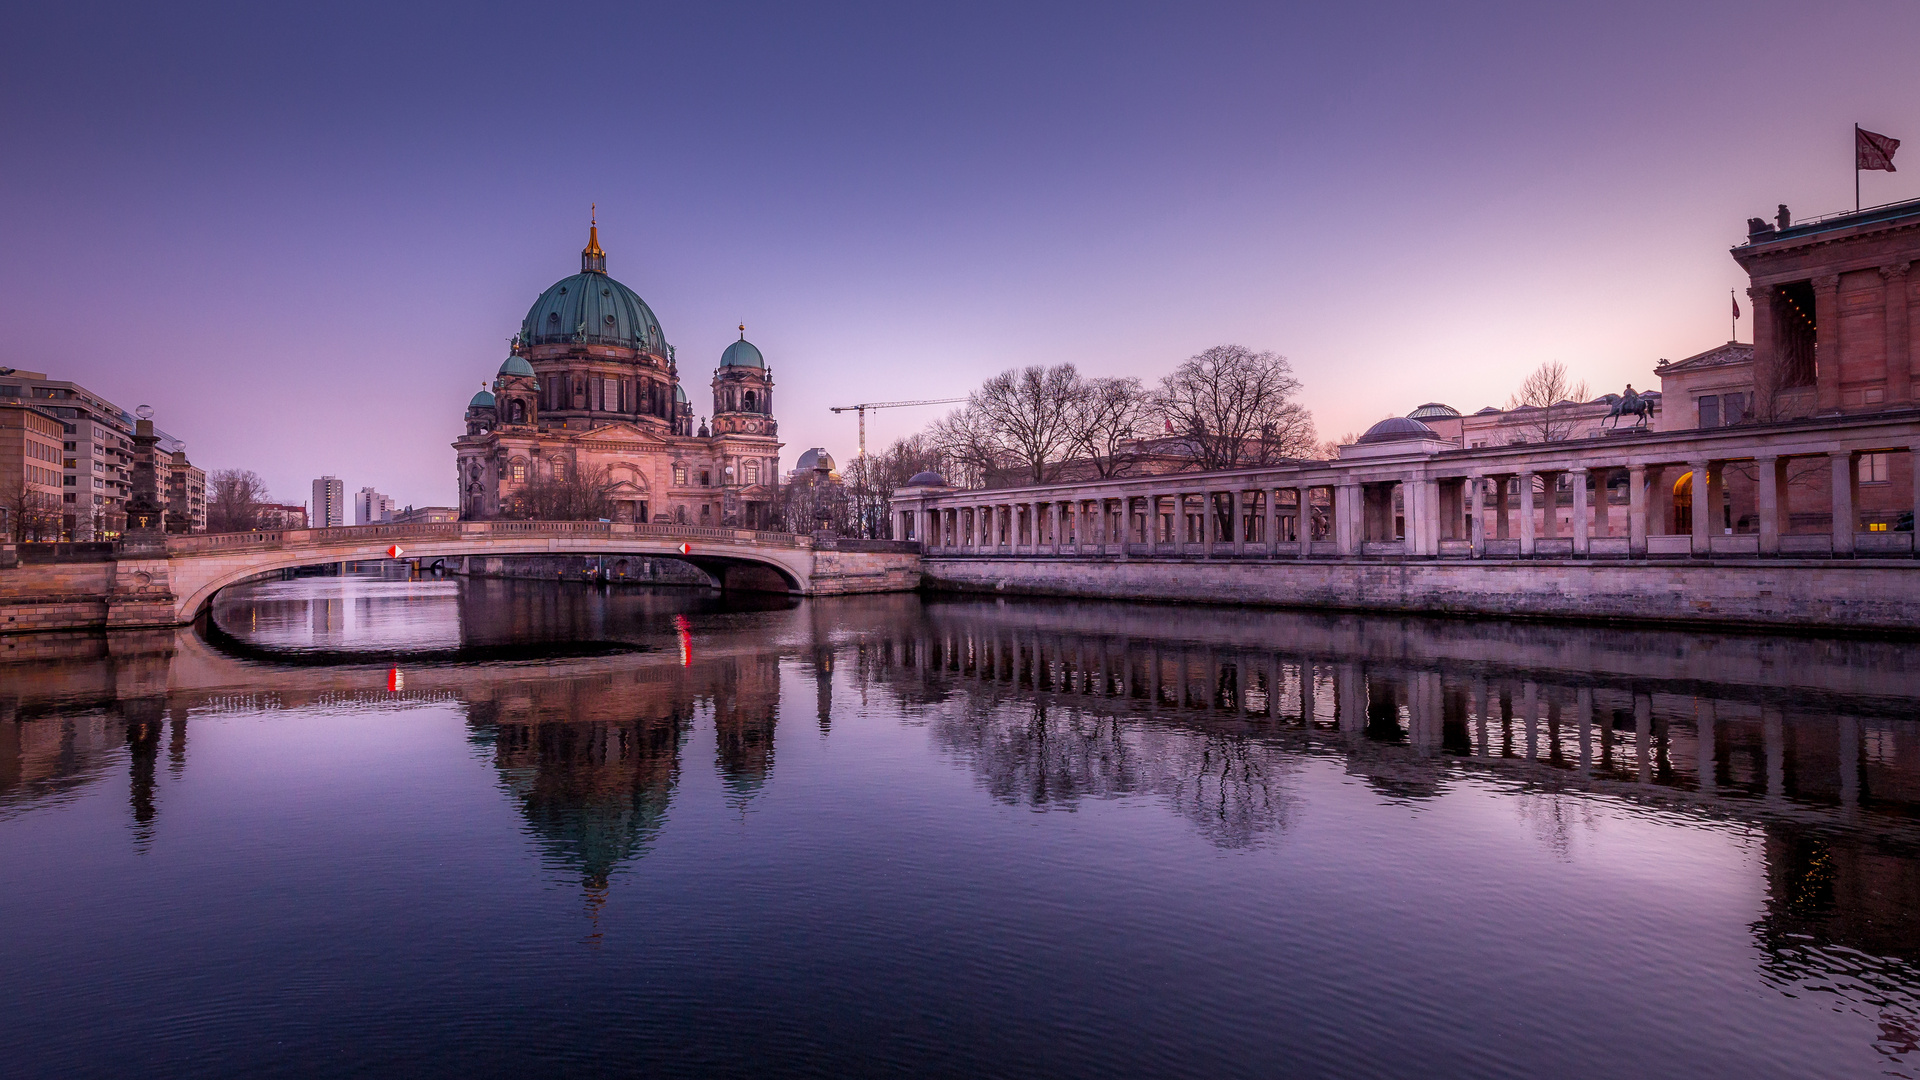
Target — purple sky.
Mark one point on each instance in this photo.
(304, 234)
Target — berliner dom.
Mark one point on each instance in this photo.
(590, 394)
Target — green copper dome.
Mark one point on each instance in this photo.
(481, 400)
(742, 354)
(679, 394)
(516, 365)
(591, 308)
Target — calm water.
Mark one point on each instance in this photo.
(368, 826)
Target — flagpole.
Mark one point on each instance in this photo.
(1856, 168)
(1733, 322)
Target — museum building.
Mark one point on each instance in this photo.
(591, 394)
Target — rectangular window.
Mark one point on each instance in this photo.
(610, 395)
(519, 473)
(1873, 468)
(1733, 408)
(680, 475)
(559, 470)
(706, 478)
(753, 472)
(1709, 411)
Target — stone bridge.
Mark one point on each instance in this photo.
(133, 588)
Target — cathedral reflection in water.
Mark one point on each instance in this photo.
(1812, 744)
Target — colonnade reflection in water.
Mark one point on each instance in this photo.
(1809, 744)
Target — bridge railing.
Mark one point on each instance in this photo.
(201, 543)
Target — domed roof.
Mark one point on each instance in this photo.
(592, 308)
(1396, 428)
(742, 354)
(813, 459)
(1433, 410)
(927, 479)
(516, 365)
(679, 393)
(481, 400)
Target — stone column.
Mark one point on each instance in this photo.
(1826, 349)
(1080, 526)
(1582, 519)
(1899, 368)
(1550, 497)
(1526, 513)
(1702, 513)
(1478, 534)
(1503, 512)
(1770, 473)
(1346, 515)
(1844, 477)
(1209, 521)
(1637, 511)
(1272, 496)
(1151, 523)
(1239, 537)
(1766, 351)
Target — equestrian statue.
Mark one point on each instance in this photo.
(1630, 403)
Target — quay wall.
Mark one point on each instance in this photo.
(1862, 594)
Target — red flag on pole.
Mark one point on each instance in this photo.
(1736, 303)
(1873, 151)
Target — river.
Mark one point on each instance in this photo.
(366, 825)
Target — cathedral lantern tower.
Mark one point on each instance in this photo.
(742, 391)
(481, 416)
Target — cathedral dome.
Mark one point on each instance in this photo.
(814, 459)
(593, 309)
(679, 394)
(481, 400)
(516, 365)
(742, 354)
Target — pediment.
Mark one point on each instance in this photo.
(620, 433)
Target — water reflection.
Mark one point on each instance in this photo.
(1808, 746)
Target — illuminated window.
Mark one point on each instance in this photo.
(559, 470)
(519, 472)
(1873, 468)
(1876, 526)
(680, 474)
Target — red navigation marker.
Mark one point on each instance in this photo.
(396, 682)
(393, 552)
(686, 549)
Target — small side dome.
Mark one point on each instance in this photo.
(927, 479)
(742, 354)
(481, 400)
(814, 459)
(517, 365)
(1488, 411)
(1434, 410)
(1396, 429)
(679, 395)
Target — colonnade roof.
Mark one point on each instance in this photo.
(1893, 430)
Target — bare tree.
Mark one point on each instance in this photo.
(1542, 403)
(1237, 408)
(810, 500)
(968, 448)
(1108, 420)
(236, 501)
(1330, 449)
(1026, 416)
(572, 495)
(28, 516)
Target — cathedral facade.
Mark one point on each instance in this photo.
(590, 396)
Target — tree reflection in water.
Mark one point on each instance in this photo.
(1811, 745)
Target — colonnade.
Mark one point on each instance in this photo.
(1503, 502)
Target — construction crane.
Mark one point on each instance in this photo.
(862, 410)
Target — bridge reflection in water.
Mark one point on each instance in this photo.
(584, 701)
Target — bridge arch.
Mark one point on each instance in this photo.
(738, 559)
